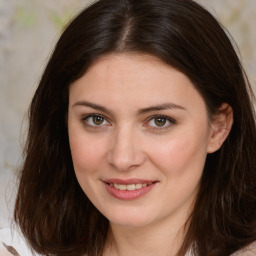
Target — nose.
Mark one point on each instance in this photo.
(125, 152)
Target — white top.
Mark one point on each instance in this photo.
(13, 244)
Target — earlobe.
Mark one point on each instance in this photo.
(220, 127)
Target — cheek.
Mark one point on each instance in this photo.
(86, 150)
(180, 156)
(86, 154)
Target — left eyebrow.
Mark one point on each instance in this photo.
(165, 106)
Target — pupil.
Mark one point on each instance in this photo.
(97, 120)
(160, 121)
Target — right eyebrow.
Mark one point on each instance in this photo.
(92, 105)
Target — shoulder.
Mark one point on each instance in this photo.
(12, 243)
(4, 251)
(249, 250)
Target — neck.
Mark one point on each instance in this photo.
(158, 239)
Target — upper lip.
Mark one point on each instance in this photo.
(128, 181)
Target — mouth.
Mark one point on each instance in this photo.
(129, 189)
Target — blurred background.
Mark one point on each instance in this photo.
(28, 32)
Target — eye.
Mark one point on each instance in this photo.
(94, 120)
(160, 122)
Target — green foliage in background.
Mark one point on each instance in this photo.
(60, 20)
(25, 17)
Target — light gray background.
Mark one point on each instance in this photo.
(28, 32)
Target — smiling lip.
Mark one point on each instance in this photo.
(128, 189)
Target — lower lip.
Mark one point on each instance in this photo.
(128, 194)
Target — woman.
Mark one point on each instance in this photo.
(141, 138)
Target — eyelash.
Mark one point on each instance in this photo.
(166, 119)
(169, 121)
(95, 126)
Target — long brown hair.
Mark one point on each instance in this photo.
(51, 209)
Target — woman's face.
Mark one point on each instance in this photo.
(139, 135)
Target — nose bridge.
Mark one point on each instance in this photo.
(125, 152)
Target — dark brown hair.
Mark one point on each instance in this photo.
(51, 209)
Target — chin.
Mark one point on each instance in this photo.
(130, 220)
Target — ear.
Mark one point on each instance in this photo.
(220, 127)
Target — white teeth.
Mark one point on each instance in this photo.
(122, 187)
(129, 187)
(138, 186)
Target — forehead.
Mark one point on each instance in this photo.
(134, 79)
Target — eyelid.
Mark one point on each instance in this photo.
(169, 119)
(95, 115)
